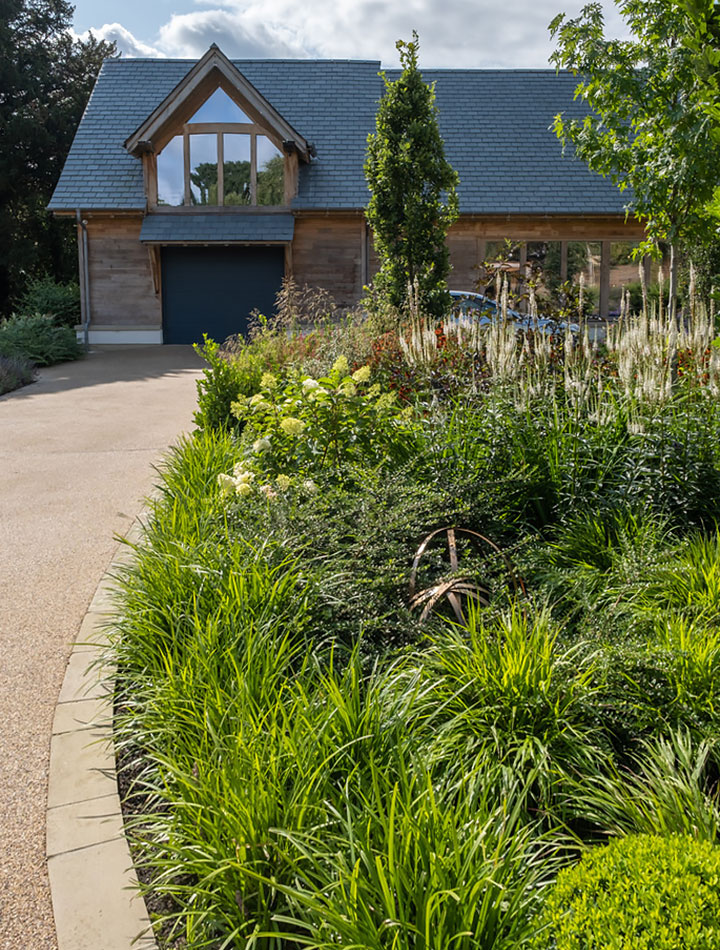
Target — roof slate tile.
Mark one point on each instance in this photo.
(495, 124)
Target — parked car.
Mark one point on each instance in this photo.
(479, 307)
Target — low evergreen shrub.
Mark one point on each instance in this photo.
(641, 892)
(48, 296)
(38, 339)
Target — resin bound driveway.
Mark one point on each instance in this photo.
(76, 454)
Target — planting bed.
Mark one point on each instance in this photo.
(338, 731)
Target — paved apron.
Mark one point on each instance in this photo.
(76, 455)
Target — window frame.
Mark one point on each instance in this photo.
(220, 129)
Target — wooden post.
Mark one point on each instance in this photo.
(186, 166)
(253, 169)
(220, 169)
(605, 280)
(563, 261)
(363, 253)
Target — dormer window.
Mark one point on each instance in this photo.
(220, 158)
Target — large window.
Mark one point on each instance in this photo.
(220, 158)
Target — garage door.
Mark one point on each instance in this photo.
(213, 290)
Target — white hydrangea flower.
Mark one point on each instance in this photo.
(292, 427)
(268, 381)
(283, 482)
(243, 488)
(309, 385)
(261, 445)
(309, 486)
(341, 365)
(361, 375)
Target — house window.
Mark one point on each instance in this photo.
(221, 158)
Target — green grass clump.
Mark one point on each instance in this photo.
(641, 892)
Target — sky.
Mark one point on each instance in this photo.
(453, 33)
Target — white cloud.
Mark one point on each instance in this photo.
(240, 34)
(455, 33)
(127, 44)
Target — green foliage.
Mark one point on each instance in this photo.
(666, 788)
(413, 200)
(509, 677)
(323, 428)
(637, 893)
(647, 128)
(47, 77)
(312, 762)
(14, 372)
(224, 379)
(48, 296)
(37, 339)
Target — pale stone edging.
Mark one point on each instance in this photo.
(92, 880)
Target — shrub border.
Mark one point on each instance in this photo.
(93, 883)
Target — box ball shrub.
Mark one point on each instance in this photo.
(642, 892)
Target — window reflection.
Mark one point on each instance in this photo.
(219, 108)
(203, 169)
(236, 169)
(170, 173)
(583, 257)
(270, 180)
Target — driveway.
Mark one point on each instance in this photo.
(76, 455)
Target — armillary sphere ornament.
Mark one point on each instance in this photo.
(457, 587)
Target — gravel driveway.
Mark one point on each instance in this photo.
(76, 455)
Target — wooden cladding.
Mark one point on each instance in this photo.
(122, 290)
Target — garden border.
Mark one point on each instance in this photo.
(93, 883)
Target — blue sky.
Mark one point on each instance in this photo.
(453, 33)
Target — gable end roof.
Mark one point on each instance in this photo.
(213, 70)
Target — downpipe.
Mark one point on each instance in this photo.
(85, 276)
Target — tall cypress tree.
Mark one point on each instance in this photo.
(413, 201)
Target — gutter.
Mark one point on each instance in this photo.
(85, 277)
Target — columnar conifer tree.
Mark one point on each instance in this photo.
(413, 199)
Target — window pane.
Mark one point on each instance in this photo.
(545, 261)
(236, 169)
(171, 176)
(203, 169)
(584, 258)
(270, 177)
(624, 275)
(219, 108)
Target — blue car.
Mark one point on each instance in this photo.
(485, 311)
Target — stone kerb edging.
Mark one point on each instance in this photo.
(92, 879)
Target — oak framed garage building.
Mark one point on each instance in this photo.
(197, 185)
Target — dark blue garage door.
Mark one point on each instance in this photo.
(213, 290)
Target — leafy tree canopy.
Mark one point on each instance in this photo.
(650, 127)
(45, 81)
(413, 200)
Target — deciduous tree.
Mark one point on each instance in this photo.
(648, 126)
(45, 81)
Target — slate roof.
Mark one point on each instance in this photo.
(494, 122)
(170, 227)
